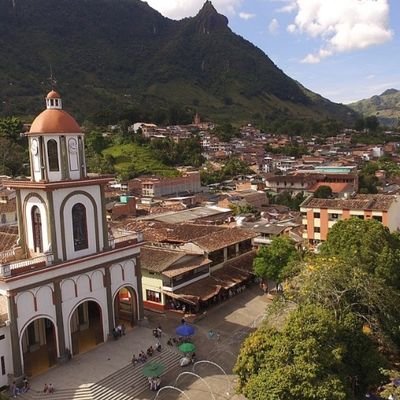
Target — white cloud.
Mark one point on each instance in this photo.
(273, 26)
(246, 16)
(342, 25)
(290, 6)
(178, 9)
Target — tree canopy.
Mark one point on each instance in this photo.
(341, 320)
(368, 244)
(272, 261)
(323, 192)
(344, 288)
(312, 357)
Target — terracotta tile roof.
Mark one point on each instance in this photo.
(164, 208)
(233, 272)
(295, 178)
(229, 277)
(201, 290)
(229, 236)
(337, 187)
(166, 260)
(379, 202)
(158, 259)
(8, 207)
(7, 240)
(155, 231)
(193, 263)
(243, 262)
(9, 229)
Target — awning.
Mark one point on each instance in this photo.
(203, 289)
(180, 269)
(229, 277)
(193, 300)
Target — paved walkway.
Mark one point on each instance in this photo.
(232, 320)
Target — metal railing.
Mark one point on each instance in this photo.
(6, 255)
(122, 237)
(8, 268)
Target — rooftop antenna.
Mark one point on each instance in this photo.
(52, 78)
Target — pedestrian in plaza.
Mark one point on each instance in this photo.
(159, 330)
(25, 386)
(157, 383)
(14, 389)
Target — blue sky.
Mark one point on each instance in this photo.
(345, 50)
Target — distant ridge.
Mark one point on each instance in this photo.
(115, 56)
(389, 92)
(386, 107)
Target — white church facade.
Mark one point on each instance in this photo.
(69, 280)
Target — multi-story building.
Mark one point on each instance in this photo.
(193, 263)
(307, 181)
(68, 280)
(319, 215)
(189, 182)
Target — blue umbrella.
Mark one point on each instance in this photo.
(185, 330)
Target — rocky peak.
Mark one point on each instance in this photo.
(389, 92)
(209, 20)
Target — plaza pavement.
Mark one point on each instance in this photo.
(233, 320)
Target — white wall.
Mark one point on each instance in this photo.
(54, 175)
(5, 351)
(123, 275)
(58, 198)
(74, 161)
(35, 201)
(75, 291)
(394, 215)
(34, 304)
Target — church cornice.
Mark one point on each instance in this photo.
(21, 184)
(68, 269)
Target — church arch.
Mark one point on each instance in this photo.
(91, 212)
(125, 306)
(86, 326)
(79, 227)
(38, 344)
(52, 155)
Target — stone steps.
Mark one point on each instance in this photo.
(61, 394)
(129, 382)
(125, 384)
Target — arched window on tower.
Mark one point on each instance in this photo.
(79, 227)
(37, 230)
(52, 154)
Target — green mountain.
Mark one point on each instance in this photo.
(386, 107)
(122, 58)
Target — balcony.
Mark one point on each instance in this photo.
(14, 263)
(11, 268)
(120, 239)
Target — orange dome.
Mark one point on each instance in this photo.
(54, 121)
(53, 95)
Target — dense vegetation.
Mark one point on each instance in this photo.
(368, 182)
(385, 107)
(335, 329)
(13, 151)
(120, 59)
(231, 168)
